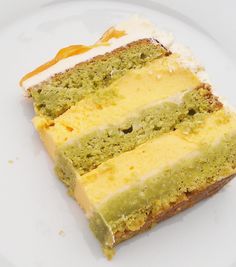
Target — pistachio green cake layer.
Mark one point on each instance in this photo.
(86, 153)
(129, 209)
(53, 97)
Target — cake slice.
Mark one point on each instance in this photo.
(133, 128)
(143, 104)
(131, 192)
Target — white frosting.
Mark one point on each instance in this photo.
(188, 60)
(136, 28)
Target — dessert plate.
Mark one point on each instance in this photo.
(43, 227)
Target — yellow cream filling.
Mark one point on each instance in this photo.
(148, 159)
(156, 81)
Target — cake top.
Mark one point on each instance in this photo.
(133, 29)
(126, 32)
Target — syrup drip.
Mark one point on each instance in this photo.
(73, 50)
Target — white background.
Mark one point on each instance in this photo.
(34, 207)
(217, 17)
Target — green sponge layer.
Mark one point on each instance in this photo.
(53, 97)
(129, 210)
(86, 153)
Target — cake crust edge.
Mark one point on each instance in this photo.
(190, 200)
(115, 52)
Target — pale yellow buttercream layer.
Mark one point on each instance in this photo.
(138, 88)
(127, 169)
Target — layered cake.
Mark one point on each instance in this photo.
(133, 127)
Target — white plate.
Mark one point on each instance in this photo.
(40, 226)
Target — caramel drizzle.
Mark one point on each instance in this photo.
(73, 50)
